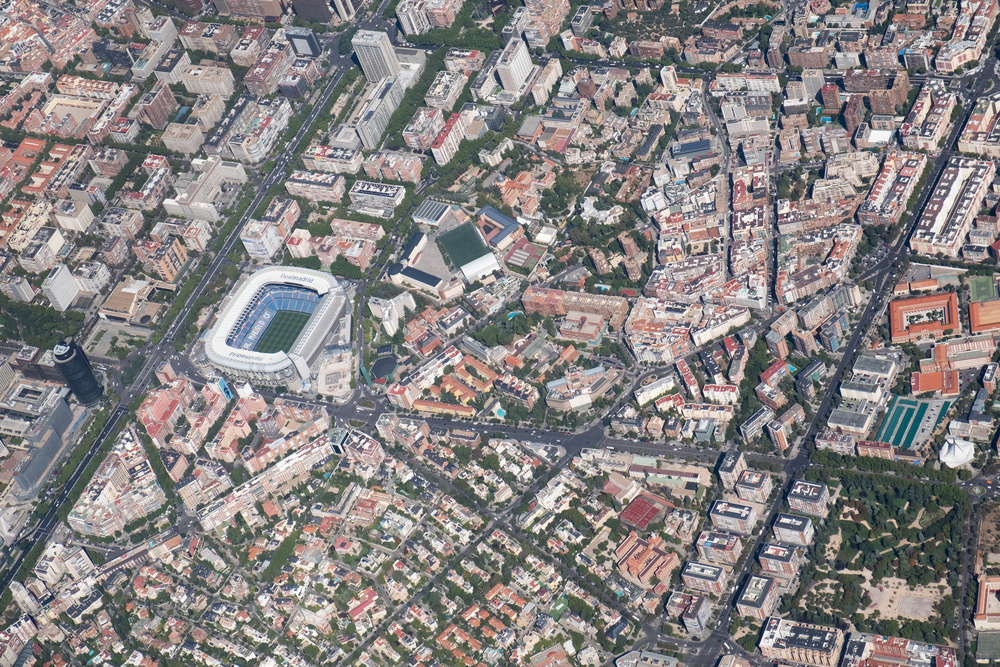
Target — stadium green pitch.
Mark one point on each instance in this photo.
(463, 244)
(282, 332)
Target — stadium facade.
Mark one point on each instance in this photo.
(257, 338)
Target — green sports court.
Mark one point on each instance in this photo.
(463, 244)
(982, 288)
(902, 422)
(282, 331)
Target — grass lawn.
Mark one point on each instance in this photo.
(282, 332)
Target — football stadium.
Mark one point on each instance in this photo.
(274, 326)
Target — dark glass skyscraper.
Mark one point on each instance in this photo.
(313, 10)
(76, 371)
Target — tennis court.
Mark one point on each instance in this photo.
(982, 288)
(463, 244)
(282, 332)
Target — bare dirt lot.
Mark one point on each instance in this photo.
(989, 529)
(897, 600)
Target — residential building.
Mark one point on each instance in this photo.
(801, 643)
(780, 560)
(709, 579)
(953, 205)
(716, 547)
(91, 277)
(754, 486)
(446, 144)
(332, 160)
(377, 196)
(316, 187)
(423, 128)
(733, 517)
(393, 166)
(205, 79)
(183, 138)
(270, 68)
(60, 288)
(875, 449)
(156, 107)
(792, 529)
(733, 465)
(445, 90)
(809, 498)
(378, 107)
(164, 260)
(514, 65)
(759, 598)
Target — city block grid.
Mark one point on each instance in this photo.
(449, 333)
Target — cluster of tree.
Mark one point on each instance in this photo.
(505, 328)
(462, 34)
(281, 555)
(563, 192)
(345, 46)
(842, 464)
(749, 404)
(36, 325)
(682, 24)
(612, 348)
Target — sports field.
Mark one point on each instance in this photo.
(282, 332)
(982, 288)
(463, 244)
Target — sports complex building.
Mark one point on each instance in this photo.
(274, 326)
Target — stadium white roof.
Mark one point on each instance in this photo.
(309, 341)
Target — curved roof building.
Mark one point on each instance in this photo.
(956, 452)
(274, 326)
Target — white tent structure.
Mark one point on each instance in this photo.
(956, 452)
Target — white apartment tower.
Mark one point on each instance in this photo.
(24, 599)
(375, 54)
(514, 67)
(61, 288)
(412, 17)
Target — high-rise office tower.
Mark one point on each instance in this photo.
(346, 9)
(514, 67)
(76, 371)
(375, 54)
(313, 10)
